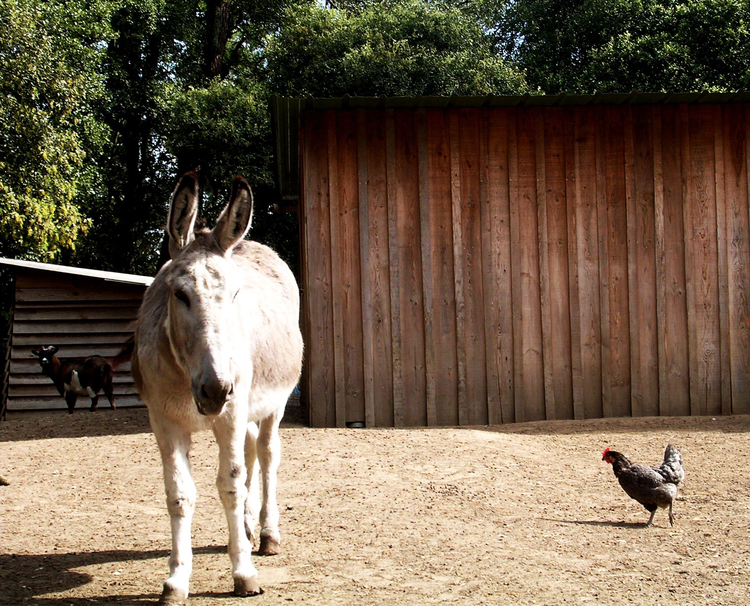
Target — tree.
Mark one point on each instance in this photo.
(48, 136)
(185, 91)
(405, 47)
(587, 46)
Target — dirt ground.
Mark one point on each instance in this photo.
(520, 514)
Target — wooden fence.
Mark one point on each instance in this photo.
(507, 264)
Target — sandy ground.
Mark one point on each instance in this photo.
(521, 514)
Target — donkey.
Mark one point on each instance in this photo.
(218, 346)
(75, 377)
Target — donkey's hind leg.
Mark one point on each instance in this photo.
(269, 457)
(252, 501)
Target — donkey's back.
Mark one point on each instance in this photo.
(217, 345)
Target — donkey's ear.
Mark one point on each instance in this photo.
(182, 213)
(54, 349)
(35, 352)
(234, 220)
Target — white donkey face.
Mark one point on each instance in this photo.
(204, 283)
(203, 316)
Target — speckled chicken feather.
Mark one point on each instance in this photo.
(652, 487)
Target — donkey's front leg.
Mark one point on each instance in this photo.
(174, 445)
(230, 436)
(269, 457)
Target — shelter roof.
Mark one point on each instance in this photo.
(108, 276)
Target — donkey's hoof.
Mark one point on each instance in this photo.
(269, 546)
(170, 597)
(247, 587)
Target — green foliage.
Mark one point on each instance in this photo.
(104, 102)
(407, 47)
(223, 129)
(48, 61)
(588, 46)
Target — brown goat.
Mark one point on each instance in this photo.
(75, 377)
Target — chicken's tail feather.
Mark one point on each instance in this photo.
(671, 469)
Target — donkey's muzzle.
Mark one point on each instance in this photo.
(211, 395)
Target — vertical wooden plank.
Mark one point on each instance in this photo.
(380, 409)
(317, 300)
(558, 285)
(660, 255)
(573, 203)
(701, 229)
(643, 284)
(544, 270)
(587, 286)
(410, 270)
(617, 261)
(741, 352)
(471, 225)
(491, 324)
(346, 218)
(425, 200)
(458, 248)
(519, 412)
(736, 158)
(302, 281)
(527, 303)
(394, 267)
(696, 399)
(336, 286)
(441, 263)
(722, 256)
(500, 345)
(604, 258)
(674, 388)
(364, 256)
(633, 294)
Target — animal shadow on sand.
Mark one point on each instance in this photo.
(600, 523)
(51, 424)
(22, 426)
(26, 579)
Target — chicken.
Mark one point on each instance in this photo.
(652, 487)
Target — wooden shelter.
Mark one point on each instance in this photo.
(82, 311)
(503, 259)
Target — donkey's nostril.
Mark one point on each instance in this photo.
(211, 394)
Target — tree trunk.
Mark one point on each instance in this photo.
(217, 34)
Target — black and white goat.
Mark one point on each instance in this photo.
(75, 377)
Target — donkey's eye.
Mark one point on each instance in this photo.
(182, 297)
(235, 295)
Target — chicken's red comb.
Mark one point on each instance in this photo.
(606, 451)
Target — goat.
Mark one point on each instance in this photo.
(75, 377)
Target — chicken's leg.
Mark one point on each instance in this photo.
(651, 519)
(671, 517)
